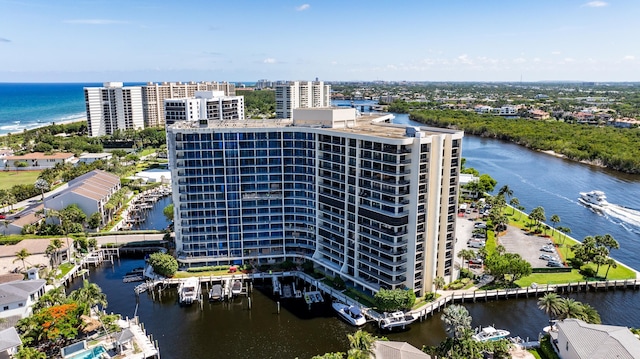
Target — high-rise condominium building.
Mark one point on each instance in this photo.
(301, 94)
(154, 94)
(362, 198)
(113, 107)
(205, 106)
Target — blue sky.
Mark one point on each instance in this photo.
(239, 40)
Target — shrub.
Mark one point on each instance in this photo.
(588, 272)
(338, 282)
(163, 264)
(465, 273)
(430, 297)
(575, 263)
(307, 267)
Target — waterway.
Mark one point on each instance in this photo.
(233, 331)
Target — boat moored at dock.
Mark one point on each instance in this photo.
(189, 291)
(397, 319)
(215, 293)
(350, 313)
(490, 333)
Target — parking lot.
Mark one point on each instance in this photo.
(527, 246)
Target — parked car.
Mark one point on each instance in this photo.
(3, 216)
(475, 244)
(475, 261)
(548, 257)
(479, 225)
(554, 264)
(548, 248)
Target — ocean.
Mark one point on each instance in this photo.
(30, 105)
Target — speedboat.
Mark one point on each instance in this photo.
(594, 199)
(215, 293)
(188, 291)
(350, 313)
(490, 333)
(396, 319)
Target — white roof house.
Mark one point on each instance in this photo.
(92, 157)
(16, 298)
(9, 342)
(397, 350)
(579, 340)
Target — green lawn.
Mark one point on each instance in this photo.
(10, 178)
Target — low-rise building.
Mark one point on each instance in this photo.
(625, 122)
(16, 298)
(90, 192)
(575, 339)
(36, 161)
(9, 342)
(92, 157)
(537, 114)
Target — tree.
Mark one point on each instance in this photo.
(163, 264)
(571, 308)
(88, 296)
(395, 299)
(487, 183)
(537, 215)
(41, 185)
(466, 255)
(457, 319)
(26, 352)
(505, 191)
(514, 203)
(21, 256)
(555, 219)
(438, 282)
(610, 263)
(168, 212)
(550, 303)
(361, 345)
(95, 220)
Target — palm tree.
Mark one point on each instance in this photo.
(555, 219)
(57, 244)
(457, 319)
(42, 185)
(505, 191)
(466, 255)
(590, 314)
(571, 308)
(550, 303)
(514, 203)
(5, 223)
(565, 231)
(361, 345)
(610, 263)
(438, 282)
(21, 256)
(89, 294)
(51, 298)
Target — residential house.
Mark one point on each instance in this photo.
(88, 158)
(464, 179)
(480, 109)
(36, 161)
(625, 122)
(90, 192)
(26, 218)
(575, 339)
(537, 114)
(17, 297)
(585, 118)
(383, 349)
(9, 342)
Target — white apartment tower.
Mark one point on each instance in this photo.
(154, 94)
(205, 106)
(370, 201)
(301, 94)
(113, 107)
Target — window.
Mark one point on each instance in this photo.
(6, 307)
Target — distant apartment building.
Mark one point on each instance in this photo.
(205, 106)
(264, 84)
(154, 94)
(507, 110)
(113, 107)
(301, 94)
(372, 202)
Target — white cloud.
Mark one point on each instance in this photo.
(334, 62)
(303, 7)
(94, 22)
(464, 58)
(595, 4)
(269, 60)
(629, 58)
(555, 52)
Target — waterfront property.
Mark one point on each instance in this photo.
(17, 297)
(203, 107)
(300, 94)
(369, 201)
(575, 339)
(113, 107)
(36, 161)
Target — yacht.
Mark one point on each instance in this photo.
(396, 319)
(594, 199)
(490, 333)
(350, 313)
(188, 291)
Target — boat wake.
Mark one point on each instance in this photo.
(626, 216)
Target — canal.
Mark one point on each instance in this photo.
(233, 331)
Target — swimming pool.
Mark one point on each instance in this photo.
(93, 353)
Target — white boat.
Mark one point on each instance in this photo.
(594, 199)
(215, 293)
(188, 291)
(236, 287)
(490, 333)
(396, 319)
(350, 313)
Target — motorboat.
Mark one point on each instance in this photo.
(215, 293)
(188, 291)
(396, 319)
(487, 334)
(351, 313)
(594, 199)
(236, 287)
